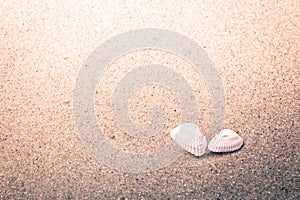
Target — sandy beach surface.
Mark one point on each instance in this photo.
(255, 46)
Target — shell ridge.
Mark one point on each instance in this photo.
(226, 141)
(190, 138)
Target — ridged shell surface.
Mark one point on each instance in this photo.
(189, 137)
(226, 141)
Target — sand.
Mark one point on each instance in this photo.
(255, 47)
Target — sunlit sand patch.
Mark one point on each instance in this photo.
(147, 96)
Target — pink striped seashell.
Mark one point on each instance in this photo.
(189, 137)
(226, 141)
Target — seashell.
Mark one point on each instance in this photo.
(189, 137)
(226, 141)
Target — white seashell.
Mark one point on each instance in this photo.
(189, 137)
(226, 141)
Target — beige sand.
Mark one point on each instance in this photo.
(255, 46)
